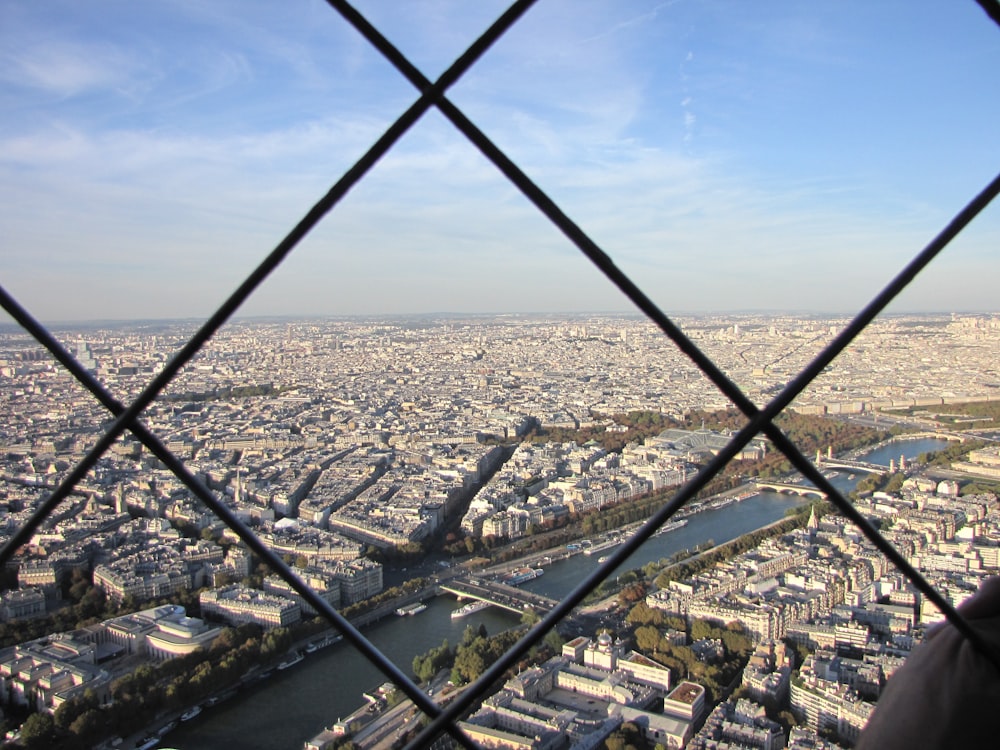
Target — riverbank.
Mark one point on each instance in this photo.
(292, 706)
(378, 726)
(283, 711)
(306, 678)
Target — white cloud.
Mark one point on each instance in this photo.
(66, 68)
(210, 156)
(689, 122)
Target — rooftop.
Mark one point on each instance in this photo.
(686, 692)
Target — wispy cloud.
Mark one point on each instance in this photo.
(66, 68)
(184, 155)
(689, 122)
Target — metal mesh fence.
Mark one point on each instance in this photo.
(432, 94)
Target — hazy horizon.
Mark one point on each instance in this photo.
(444, 315)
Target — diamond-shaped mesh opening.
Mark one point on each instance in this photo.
(127, 428)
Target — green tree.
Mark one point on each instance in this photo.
(647, 638)
(79, 588)
(642, 614)
(675, 623)
(227, 640)
(627, 736)
(895, 483)
(470, 662)
(426, 665)
(701, 629)
(468, 635)
(633, 592)
(554, 641)
(38, 732)
(735, 640)
(177, 693)
(67, 713)
(88, 726)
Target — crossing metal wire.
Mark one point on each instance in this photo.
(759, 420)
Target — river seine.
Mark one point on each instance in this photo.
(295, 705)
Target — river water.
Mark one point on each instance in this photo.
(295, 705)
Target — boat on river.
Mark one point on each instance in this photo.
(672, 526)
(215, 700)
(523, 575)
(469, 609)
(291, 662)
(411, 609)
(190, 713)
(602, 546)
(321, 688)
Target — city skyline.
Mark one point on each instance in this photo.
(727, 159)
(439, 438)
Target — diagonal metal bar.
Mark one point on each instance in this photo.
(552, 211)
(198, 488)
(129, 415)
(708, 367)
(236, 299)
(463, 703)
(831, 351)
(704, 363)
(878, 303)
(547, 206)
(555, 214)
(759, 420)
(725, 385)
(992, 9)
(762, 421)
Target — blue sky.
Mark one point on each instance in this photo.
(728, 155)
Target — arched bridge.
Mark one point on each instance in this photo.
(805, 490)
(498, 594)
(859, 466)
(941, 435)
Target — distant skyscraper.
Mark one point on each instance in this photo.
(84, 355)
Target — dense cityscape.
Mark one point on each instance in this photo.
(280, 469)
(387, 458)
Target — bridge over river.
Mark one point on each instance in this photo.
(805, 490)
(499, 595)
(858, 466)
